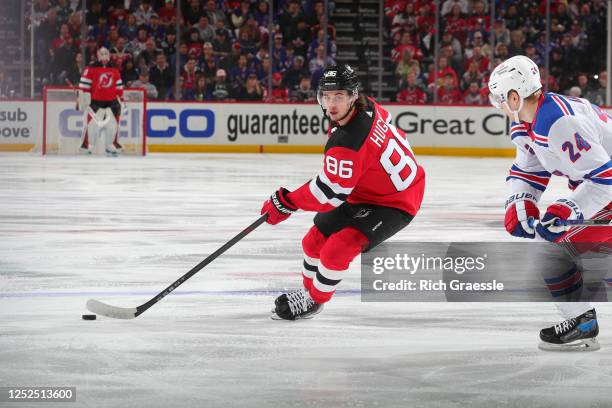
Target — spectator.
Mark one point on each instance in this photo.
(448, 39)
(443, 70)
(454, 61)
(119, 54)
(320, 61)
(412, 94)
(406, 42)
(300, 37)
(448, 94)
(221, 45)
(156, 29)
(448, 5)
(168, 45)
(193, 13)
(210, 68)
(205, 30)
(63, 59)
(213, 13)
(279, 93)
(189, 75)
(478, 58)
(74, 72)
(287, 60)
(477, 40)
(239, 74)
(247, 45)
(220, 87)
(500, 33)
(582, 80)
(294, 74)
(230, 61)
(129, 28)
(532, 53)
(100, 30)
(304, 91)
(471, 75)
(143, 82)
(147, 57)
(278, 50)
(144, 12)
(139, 44)
(472, 95)
(129, 73)
(201, 92)
(162, 76)
(262, 14)
(167, 13)
(456, 23)
(252, 91)
(517, 43)
(240, 14)
(290, 18)
(598, 94)
(405, 64)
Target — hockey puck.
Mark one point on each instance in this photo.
(89, 317)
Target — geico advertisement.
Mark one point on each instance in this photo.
(235, 123)
(20, 121)
(64, 121)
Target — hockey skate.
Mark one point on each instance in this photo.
(85, 148)
(295, 305)
(579, 333)
(117, 146)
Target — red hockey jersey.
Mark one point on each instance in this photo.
(103, 82)
(367, 161)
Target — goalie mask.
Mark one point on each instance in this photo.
(338, 78)
(103, 55)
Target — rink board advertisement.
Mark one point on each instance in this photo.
(20, 125)
(291, 128)
(486, 272)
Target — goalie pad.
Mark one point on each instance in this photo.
(83, 100)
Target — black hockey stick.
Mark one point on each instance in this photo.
(103, 309)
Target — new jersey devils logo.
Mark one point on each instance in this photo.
(105, 80)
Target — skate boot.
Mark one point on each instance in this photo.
(118, 146)
(579, 333)
(85, 148)
(111, 151)
(295, 305)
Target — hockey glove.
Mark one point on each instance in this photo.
(563, 210)
(520, 208)
(278, 207)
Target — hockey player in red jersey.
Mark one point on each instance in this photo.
(102, 82)
(370, 188)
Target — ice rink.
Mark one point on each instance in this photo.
(121, 229)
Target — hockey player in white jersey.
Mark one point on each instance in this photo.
(564, 136)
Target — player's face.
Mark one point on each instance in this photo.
(336, 103)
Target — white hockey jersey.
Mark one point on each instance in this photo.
(569, 137)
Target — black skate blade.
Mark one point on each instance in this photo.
(578, 345)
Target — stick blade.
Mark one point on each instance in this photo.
(114, 312)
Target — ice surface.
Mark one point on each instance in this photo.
(120, 230)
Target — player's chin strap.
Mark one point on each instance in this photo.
(515, 113)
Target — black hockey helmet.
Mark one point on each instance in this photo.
(338, 78)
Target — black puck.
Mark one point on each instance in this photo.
(89, 317)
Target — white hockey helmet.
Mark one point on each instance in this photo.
(103, 55)
(518, 74)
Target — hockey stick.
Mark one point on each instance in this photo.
(104, 309)
(572, 223)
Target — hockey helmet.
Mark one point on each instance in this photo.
(518, 74)
(341, 77)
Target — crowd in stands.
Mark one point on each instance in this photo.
(222, 47)
(471, 45)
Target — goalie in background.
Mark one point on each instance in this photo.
(101, 90)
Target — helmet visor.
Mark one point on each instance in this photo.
(334, 98)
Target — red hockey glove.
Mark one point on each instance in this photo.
(278, 207)
(520, 207)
